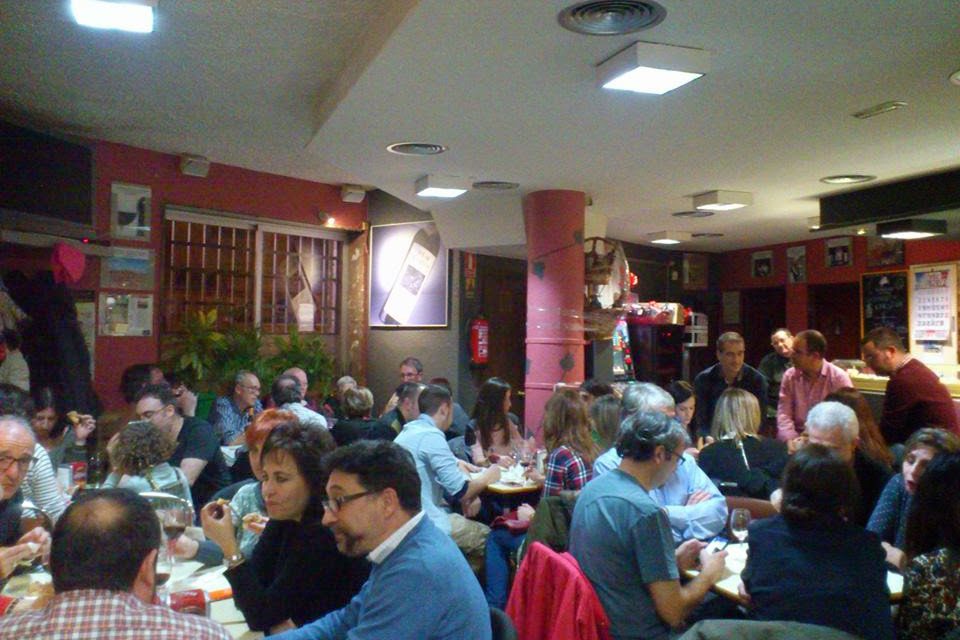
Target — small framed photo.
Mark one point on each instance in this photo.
(839, 252)
(762, 264)
(130, 211)
(797, 264)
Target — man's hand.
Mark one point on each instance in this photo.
(185, 548)
(84, 428)
(796, 444)
(895, 556)
(186, 401)
(467, 468)
(471, 508)
(697, 497)
(492, 474)
(688, 554)
(525, 512)
(32, 544)
(712, 565)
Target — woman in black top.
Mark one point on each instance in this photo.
(740, 461)
(295, 574)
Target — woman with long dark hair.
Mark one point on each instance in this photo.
(65, 438)
(931, 586)
(810, 563)
(295, 573)
(496, 434)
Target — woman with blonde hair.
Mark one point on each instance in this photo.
(740, 461)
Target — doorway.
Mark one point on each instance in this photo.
(834, 311)
(764, 311)
(503, 298)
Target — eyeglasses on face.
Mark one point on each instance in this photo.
(23, 463)
(678, 456)
(333, 505)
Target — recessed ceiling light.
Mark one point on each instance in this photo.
(127, 15)
(848, 178)
(416, 148)
(722, 200)
(813, 223)
(877, 109)
(432, 186)
(611, 17)
(496, 185)
(648, 67)
(911, 228)
(862, 231)
(669, 237)
(696, 213)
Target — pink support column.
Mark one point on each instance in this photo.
(554, 229)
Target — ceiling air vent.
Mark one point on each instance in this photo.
(611, 17)
(696, 213)
(496, 185)
(416, 148)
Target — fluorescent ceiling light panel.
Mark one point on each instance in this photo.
(128, 15)
(431, 186)
(813, 223)
(647, 67)
(722, 200)
(669, 237)
(911, 228)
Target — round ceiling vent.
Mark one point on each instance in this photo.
(496, 185)
(696, 213)
(416, 148)
(611, 17)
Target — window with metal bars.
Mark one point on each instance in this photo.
(280, 278)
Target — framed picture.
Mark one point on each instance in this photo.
(695, 268)
(839, 252)
(123, 314)
(130, 211)
(797, 264)
(762, 264)
(884, 252)
(127, 268)
(408, 276)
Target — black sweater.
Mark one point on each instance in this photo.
(296, 572)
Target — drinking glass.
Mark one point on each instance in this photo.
(739, 521)
(174, 519)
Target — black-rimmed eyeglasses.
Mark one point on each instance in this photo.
(333, 505)
(23, 463)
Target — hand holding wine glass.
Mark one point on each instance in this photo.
(739, 521)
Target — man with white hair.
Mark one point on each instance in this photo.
(16, 455)
(834, 425)
(694, 505)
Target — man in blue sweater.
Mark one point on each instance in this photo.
(420, 585)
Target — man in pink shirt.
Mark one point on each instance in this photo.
(809, 381)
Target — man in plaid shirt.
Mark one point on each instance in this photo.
(103, 562)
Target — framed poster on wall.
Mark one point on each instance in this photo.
(408, 276)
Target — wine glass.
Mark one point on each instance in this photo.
(165, 562)
(174, 518)
(739, 521)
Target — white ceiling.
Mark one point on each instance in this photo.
(318, 89)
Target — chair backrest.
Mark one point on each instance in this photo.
(550, 524)
(502, 625)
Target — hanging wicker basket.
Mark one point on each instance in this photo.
(599, 324)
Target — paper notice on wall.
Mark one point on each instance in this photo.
(126, 315)
(87, 319)
(306, 312)
(931, 295)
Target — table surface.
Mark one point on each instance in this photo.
(512, 481)
(737, 560)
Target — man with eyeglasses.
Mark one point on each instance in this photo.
(622, 537)
(16, 455)
(231, 414)
(692, 502)
(198, 449)
(810, 380)
(420, 585)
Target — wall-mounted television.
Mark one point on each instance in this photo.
(41, 175)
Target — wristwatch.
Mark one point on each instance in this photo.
(232, 561)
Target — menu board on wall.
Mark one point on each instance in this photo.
(884, 302)
(934, 292)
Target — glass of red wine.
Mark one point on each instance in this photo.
(174, 518)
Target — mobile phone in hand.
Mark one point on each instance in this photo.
(717, 544)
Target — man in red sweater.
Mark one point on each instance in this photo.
(915, 397)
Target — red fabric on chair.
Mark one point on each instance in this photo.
(551, 599)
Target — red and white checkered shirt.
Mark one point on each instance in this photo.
(94, 614)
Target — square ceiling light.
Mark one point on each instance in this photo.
(722, 200)
(124, 15)
(911, 228)
(669, 237)
(647, 67)
(431, 186)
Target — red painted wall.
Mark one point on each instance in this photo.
(226, 188)
(736, 269)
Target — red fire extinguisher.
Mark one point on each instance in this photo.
(479, 341)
